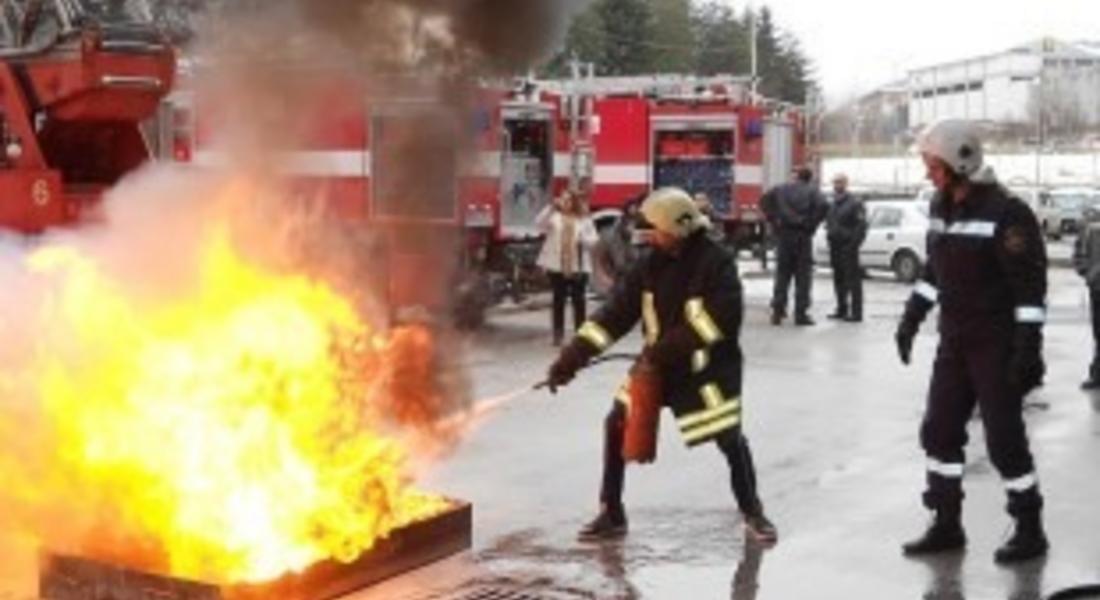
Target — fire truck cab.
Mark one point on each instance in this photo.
(77, 77)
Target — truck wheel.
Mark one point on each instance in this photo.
(906, 266)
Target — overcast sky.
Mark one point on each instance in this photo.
(857, 45)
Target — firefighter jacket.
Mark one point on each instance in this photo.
(690, 307)
(847, 220)
(987, 265)
(1086, 254)
(796, 207)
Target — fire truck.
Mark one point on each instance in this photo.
(615, 138)
(77, 78)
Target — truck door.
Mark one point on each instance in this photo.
(526, 169)
(697, 156)
(778, 152)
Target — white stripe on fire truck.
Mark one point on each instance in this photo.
(622, 174)
(336, 163)
(748, 175)
(635, 173)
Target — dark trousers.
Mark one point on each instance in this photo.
(794, 259)
(731, 443)
(573, 288)
(847, 278)
(1094, 308)
(965, 374)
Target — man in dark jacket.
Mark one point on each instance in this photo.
(687, 295)
(986, 269)
(1086, 261)
(794, 211)
(847, 228)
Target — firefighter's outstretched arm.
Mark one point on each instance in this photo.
(921, 301)
(1023, 260)
(614, 319)
(708, 319)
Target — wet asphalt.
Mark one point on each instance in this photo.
(832, 417)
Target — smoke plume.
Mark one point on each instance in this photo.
(262, 75)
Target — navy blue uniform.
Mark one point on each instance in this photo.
(987, 271)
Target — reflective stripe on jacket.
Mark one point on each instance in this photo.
(690, 307)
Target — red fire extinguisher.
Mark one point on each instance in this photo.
(643, 413)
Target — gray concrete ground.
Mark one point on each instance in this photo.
(832, 417)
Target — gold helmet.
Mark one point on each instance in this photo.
(674, 212)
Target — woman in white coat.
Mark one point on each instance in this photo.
(570, 235)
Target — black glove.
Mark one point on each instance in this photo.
(906, 333)
(1025, 365)
(572, 358)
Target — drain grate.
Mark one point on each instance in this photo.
(497, 593)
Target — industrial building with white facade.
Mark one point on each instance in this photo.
(1008, 87)
(1004, 91)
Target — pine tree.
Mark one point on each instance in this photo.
(627, 29)
(585, 40)
(722, 40)
(673, 43)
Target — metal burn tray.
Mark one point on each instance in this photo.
(418, 544)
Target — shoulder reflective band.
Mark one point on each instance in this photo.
(595, 334)
(980, 229)
(701, 322)
(936, 225)
(927, 291)
(1030, 314)
(649, 318)
(699, 360)
(699, 426)
(1022, 483)
(623, 395)
(953, 470)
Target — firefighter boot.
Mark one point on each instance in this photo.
(1028, 541)
(1093, 382)
(945, 533)
(760, 528)
(610, 524)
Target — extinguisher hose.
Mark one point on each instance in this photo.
(599, 360)
(1082, 592)
(481, 408)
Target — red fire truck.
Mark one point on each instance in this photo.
(76, 80)
(615, 137)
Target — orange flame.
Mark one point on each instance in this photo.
(227, 436)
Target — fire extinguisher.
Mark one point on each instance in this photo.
(645, 389)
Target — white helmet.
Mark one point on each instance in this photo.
(955, 142)
(673, 211)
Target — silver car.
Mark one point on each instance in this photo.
(1059, 211)
(896, 235)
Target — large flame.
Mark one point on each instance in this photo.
(226, 435)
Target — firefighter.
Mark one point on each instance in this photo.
(986, 269)
(847, 228)
(687, 294)
(1086, 261)
(795, 210)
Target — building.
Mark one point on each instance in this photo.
(1007, 89)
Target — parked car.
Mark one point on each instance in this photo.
(1060, 211)
(896, 235)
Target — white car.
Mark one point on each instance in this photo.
(1060, 211)
(896, 235)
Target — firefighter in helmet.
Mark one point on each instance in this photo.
(687, 294)
(987, 272)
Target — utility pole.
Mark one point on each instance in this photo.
(1041, 113)
(753, 51)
